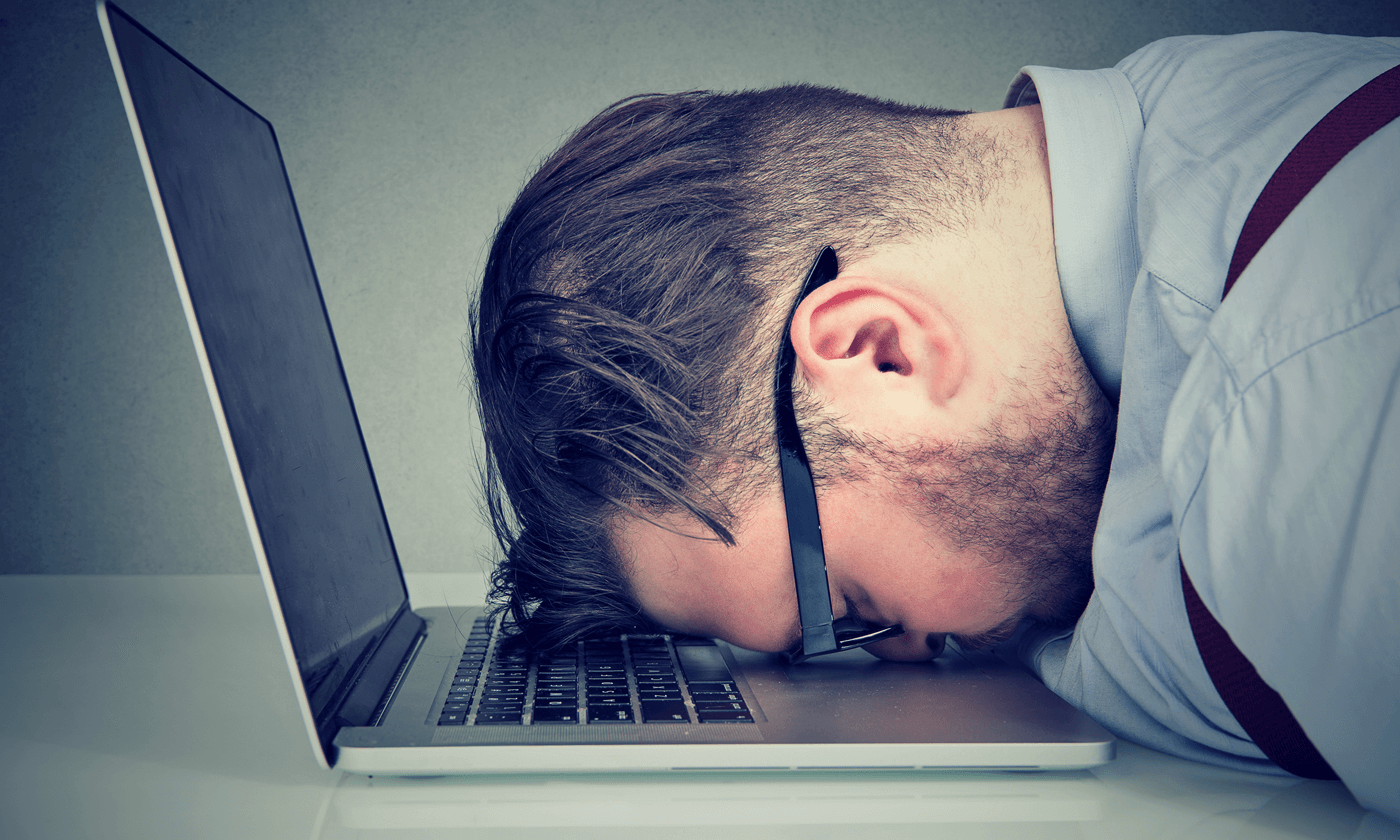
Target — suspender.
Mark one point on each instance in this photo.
(1258, 708)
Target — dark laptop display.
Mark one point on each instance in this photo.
(268, 342)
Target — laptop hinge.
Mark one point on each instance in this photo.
(381, 672)
(384, 702)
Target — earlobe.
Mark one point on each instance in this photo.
(872, 345)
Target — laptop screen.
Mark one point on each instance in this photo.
(268, 342)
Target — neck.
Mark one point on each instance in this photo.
(1016, 224)
(1018, 305)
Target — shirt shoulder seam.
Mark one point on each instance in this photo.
(1242, 390)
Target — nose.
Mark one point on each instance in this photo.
(935, 644)
(911, 647)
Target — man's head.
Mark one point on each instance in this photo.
(631, 316)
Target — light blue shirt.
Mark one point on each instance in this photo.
(1261, 435)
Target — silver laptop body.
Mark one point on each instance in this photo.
(383, 687)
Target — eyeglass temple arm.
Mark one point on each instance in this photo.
(799, 492)
(808, 558)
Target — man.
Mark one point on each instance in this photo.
(1022, 296)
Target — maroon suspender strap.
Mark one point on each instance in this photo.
(1258, 708)
(1357, 117)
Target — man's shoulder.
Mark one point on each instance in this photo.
(1204, 81)
(1251, 59)
(1219, 115)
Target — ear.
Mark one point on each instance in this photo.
(878, 352)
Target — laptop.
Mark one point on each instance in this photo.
(384, 688)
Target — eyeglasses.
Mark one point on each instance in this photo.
(821, 633)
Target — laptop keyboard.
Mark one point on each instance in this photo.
(619, 679)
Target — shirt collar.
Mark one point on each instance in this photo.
(1093, 128)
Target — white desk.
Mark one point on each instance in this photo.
(155, 706)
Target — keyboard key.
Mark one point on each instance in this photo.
(502, 702)
(710, 706)
(660, 695)
(605, 699)
(703, 687)
(664, 711)
(703, 664)
(512, 693)
(559, 715)
(452, 719)
(549, 694)
(498, 718)
(613, 682)
(716, 696)
(725, 717)
(647, 679)
(606, 686)
(609, 714)
(556, 681)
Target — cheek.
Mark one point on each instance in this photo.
(956, 600)
(904, 574)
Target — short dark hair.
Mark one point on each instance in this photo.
(628, 322)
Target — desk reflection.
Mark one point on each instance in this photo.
(1143, 793)
(758, 804)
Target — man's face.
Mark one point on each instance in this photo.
(963, 541)
(880, 565)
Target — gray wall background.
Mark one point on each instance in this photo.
(407, 126)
